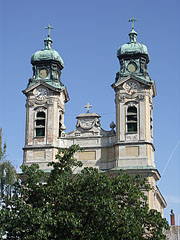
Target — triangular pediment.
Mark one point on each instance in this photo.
(118, 84)
(131, 77)
(40, 83)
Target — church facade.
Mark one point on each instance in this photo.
(129, 143)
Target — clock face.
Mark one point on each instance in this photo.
(132, 67)
(43, 73)
(40, 93)
(131, 88)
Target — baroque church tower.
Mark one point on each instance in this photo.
(45, 106)
(130, 147)
(134, 91)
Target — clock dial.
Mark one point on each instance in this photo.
(132, 67)
(43, 73)
(41, 93)
(131, 88)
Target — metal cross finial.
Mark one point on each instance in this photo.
(49, 28)
(88, 106)
(132, 20)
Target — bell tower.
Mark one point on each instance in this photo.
(45, 106)
(134, 92)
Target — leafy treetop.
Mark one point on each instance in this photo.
(90, 205)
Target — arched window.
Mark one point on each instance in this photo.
(40, 124)
(132, 119)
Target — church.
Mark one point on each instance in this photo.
(129, 143)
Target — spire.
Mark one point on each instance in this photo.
(48, 41)
(133, 33)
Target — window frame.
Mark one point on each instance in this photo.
(132, 122)
(40, 124)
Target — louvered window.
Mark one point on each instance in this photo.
(131, 120)
(40, 124)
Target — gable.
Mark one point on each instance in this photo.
(119, 84)
(49, 87)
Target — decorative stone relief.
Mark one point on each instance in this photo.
(88, 123)
(121, 98)
(59, 104)
(41, 102)
(50, 101)
(140, 97)
(131, 103)
(131, 137)
(40, 109)
(150, 100)
(30, 103)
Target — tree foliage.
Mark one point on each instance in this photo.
(89, 205)
(7, 173)
(2, 147)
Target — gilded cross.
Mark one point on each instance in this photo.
(49, 28)
(132, 20)
(88, 106)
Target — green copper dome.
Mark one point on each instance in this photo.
(133, 47)
(47, 53)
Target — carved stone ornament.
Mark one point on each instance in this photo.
(141, 96)
(40, 109)
(131, 137)
(133, 96)
(60, 105)
(112, 125)
(50, 101)
(40, 102)
(63, 127)
(121, 98)
(87, 124)
(30, 104)
(150, 100)
(132, 104)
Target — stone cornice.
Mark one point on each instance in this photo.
(135, 143)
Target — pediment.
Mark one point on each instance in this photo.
(40, 83)
(88, 125)
(119, 84)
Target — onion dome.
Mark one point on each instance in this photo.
(133, 47)
(47, 65)
(47, 54)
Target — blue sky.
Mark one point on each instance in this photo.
(87, 35)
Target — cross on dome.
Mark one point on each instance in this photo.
(88, 106)
(132, 20)
(133, 33)
(49, 28)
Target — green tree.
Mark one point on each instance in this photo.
(89, 205)
(7, 173)
(2, 147)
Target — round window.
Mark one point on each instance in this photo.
(132, 67)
